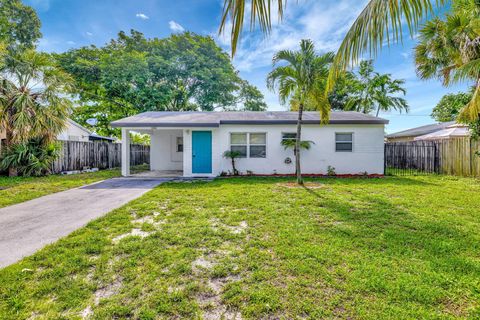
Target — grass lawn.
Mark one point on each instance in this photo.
(391, 248)
(20, 189)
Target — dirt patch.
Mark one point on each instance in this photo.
(202, 263)
(241, 227)
(308, 185)
(134, 232)
(102, 293)
(146, 219)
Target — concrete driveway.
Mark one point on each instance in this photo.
(29, 226)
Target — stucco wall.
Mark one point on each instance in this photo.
(367, 155)
(73, 133)
(163, 153)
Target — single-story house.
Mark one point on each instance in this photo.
(411, 134)
(453, 131)
(192, 143)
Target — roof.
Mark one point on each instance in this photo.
(79, 126)
(419, 131)
(214, 119)
(453, 131)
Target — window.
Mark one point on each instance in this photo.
(238, 142)
(179, 145)
(250, 145)
(344, 142)
(258, 145)
(289, 136)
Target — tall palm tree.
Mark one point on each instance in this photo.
(375, 91)
(449, 50)
(33, 98)
(379, 21)
(301, 76)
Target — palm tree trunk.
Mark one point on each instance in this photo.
(297, 145)
(235, 172)
(12, 171)
(378, 111)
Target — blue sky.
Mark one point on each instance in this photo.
(70, 24)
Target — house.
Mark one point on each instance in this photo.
(453, 131)
(410, 134)
(192, 143)
(73, 132)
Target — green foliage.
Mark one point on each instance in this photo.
(132, 74)
(290, 144)
(371, 91)
(232, 155)
(449, 50)
(32, 158)
(19, 24)
(448, 108)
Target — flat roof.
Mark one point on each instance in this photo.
(420, 131)
(215, 119)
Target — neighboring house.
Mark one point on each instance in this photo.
(73, 132)
(453, 131)
(192, 143)
(411, 134)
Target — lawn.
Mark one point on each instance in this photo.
(396, 247)
(20, 189)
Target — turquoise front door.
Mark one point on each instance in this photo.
(201, 152)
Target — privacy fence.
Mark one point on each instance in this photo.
(458, 156)
(77, 155)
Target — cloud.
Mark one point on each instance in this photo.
(89, 34)
(142, 16)
(70, 42)
(175, 27)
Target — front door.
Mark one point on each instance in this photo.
(201, 152)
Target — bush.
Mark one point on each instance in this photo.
(33, 158)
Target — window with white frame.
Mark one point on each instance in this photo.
(250, 145)
(344, 142)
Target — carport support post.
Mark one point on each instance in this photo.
(125, 152)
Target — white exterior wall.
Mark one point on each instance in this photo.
(367, 155)
(74, 133)
(163, 153)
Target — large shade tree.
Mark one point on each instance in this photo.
(133, 74)
(379, 22)
(301, 75)
(34, 103)
(19, 25)
(449, 50)
(375, 92)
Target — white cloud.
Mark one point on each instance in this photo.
(142, 16)
(175, 27)
(71, 42)
(89, 34)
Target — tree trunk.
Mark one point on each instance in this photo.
(298, 170)
(235, 172)
(378, 110)
(12, 172)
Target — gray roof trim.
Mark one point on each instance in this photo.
(303, 122)
(162, 125)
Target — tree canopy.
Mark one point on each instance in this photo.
(132, 74)
(449, 106)
(19, 24)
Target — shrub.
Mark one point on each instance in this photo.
(33, 158)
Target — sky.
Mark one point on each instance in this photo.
(68, 24)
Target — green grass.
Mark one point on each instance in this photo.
(20, 189)
(391, 248)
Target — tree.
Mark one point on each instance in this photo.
(373, 91)
(449, 106)
(232, 155)
(379, 22)
(19, 24)
(303, 77)
(132, 74)
(449, 50)
(33, 99)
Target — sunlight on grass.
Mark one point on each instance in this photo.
(397, 247)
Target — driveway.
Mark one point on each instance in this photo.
(29, 226)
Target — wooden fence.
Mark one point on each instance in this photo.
(77, 155)
(457, 156)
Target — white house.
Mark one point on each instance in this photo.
(192, 143)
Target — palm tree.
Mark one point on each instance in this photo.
(449, 50)
(33, 98)
(375, 91)
(380, 21)
(303, 77)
